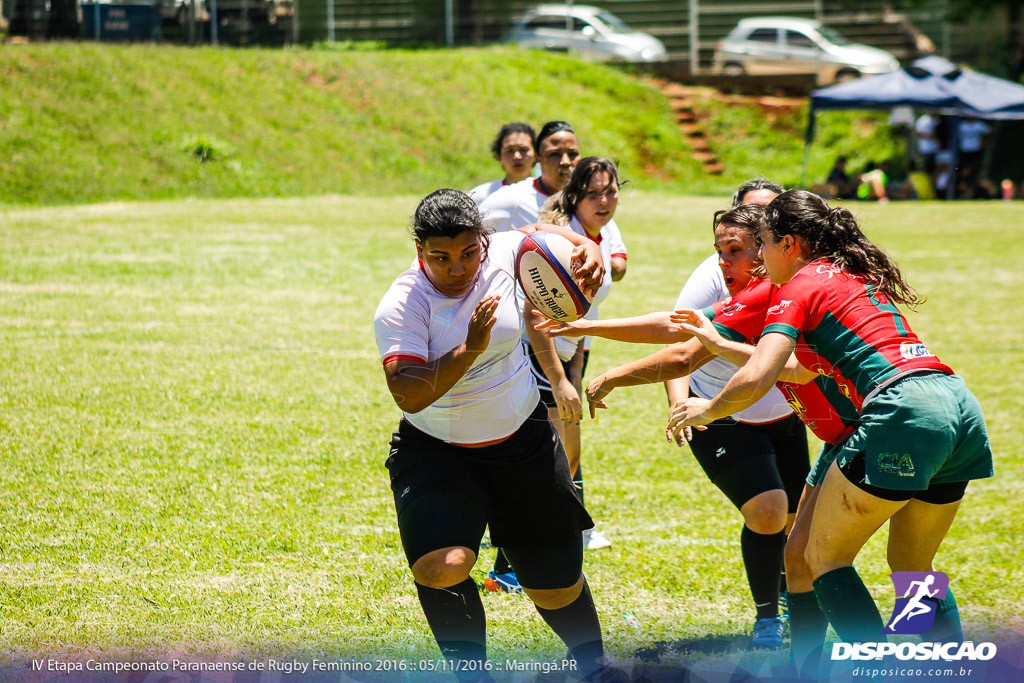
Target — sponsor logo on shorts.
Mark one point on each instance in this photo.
(911, 350)
(895, 463)
(913, 614)
(780, 307)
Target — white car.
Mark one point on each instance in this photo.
(586, 31)
(767, 46)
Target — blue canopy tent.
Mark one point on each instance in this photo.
(930, 84)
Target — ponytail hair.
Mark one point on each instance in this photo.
(833, 234)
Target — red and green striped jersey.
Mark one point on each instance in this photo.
(847, 329)
(820, 404)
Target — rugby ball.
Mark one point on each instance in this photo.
(544, 269)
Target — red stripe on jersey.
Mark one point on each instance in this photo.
(620, 255)
(536, 186)
(402, 356)
(482, 443)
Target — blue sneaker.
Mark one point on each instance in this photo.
(767, 634)
(502, 583)
(784, 612)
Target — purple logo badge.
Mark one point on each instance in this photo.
(912, 614)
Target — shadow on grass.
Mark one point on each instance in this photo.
(707, 645)
(725, 658)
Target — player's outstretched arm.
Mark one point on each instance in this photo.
(697, 324)
(751, 382)
(672, 361)
(567, 398)
(651, 328)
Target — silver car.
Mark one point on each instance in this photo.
(785, 45)
(586, 31)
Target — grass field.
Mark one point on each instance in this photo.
(85, 123)
(193, 424)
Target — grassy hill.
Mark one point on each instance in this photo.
(81, 122)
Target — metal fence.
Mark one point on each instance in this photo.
(688, 28)
(233, 22)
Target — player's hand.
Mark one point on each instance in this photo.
(688, 413)
(588, 268)
(559, 328)
(570, 407)
(596, 391)
(481, 323)
(696, 323)
(685, 435)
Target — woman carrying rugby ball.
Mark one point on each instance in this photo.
(557, 372)
(475, 446)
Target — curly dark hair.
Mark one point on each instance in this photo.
(509, 129)
(833, 234)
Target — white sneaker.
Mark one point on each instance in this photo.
(594, 540)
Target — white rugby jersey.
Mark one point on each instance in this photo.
(481, 192)
(513, 206)
(416, 321)
(518, 205)
(704, 287)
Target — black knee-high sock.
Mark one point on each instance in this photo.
(456, 618)
(849, 606)
(807, 626)
(946, 628)
(501, 565)
(579, 628)
(762, 557)
(577, 480)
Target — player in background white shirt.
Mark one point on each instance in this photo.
(758, 457)
(475, 447)
(514, 148)
(516, 205)
(586, 204)
(519, 204)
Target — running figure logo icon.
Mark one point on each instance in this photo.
(913, 614)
